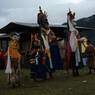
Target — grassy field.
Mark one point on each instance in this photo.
(61, 84)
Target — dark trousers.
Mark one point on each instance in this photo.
(90, 70)
(38, 71)
(73, 65)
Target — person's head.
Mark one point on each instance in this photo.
(14, 36)
(88, 42)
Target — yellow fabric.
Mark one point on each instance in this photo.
(32, 61)
(83, 47)
(48, 53)
(13, 50)
(13, 44)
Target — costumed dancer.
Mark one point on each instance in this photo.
(36, 59)
(54, 50)
(74, 54)
(44, 26)
(13, 60)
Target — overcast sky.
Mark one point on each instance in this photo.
(26, 10)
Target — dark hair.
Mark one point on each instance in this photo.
(88, 41)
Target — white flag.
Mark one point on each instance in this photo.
(48, 48)
(8, 67)
(73, 42)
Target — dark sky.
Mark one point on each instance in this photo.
(26, 10)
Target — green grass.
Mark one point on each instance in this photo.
(61, 84)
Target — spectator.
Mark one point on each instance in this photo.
(90, 53)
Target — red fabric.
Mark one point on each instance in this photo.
(68, 52)
(42, 60)
(2, 57)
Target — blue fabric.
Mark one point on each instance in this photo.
(56, 58)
